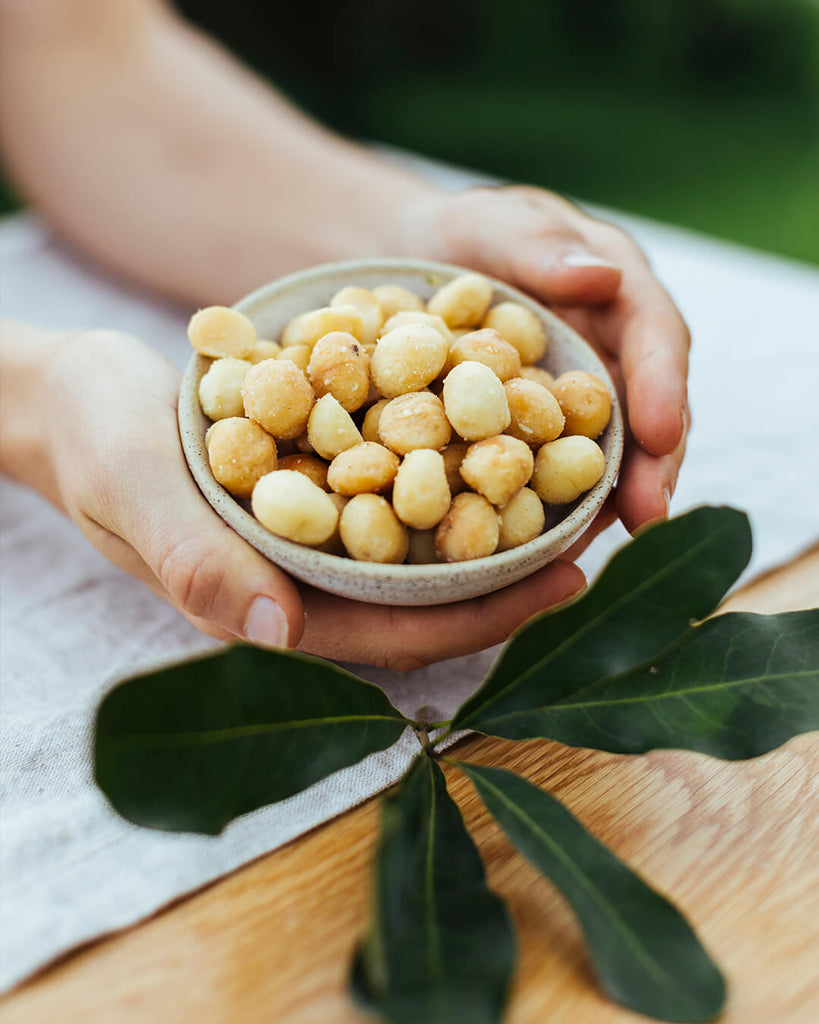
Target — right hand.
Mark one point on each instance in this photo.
(113, 442)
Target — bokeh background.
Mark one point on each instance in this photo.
(703, 113)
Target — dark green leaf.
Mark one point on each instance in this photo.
(195, 744)
(644, 600)
(441, 949)
(645, 953)
(736, 687)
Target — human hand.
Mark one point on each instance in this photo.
(114, 451)
(597, 279)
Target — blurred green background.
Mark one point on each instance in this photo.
(703, 113)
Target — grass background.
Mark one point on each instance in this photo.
(703, 113)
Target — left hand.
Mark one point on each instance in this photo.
(595, 277)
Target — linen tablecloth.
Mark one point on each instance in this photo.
(71, 624)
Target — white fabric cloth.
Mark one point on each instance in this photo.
(71, 624)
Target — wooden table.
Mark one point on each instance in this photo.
(736, 845)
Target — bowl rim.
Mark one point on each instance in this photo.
(284, 553)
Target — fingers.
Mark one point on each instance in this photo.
(409, 638)
(646, 483)
(523, 236)
(129, 488)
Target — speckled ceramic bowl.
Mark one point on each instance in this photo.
(270, 308)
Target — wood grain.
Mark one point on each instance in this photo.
(734, 844)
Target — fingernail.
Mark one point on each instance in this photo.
(266, 624)
(667, 499)
(582, 258)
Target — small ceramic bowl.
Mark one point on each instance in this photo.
(270, 308)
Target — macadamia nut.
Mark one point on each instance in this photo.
(536, 413)
(278, 397)
(520, 327)
(475, 401)
(309, 327)
(366, 468)
(371, 531)
(463, 301)
(330, 428)
(521, 519)
(240, 453)
(313, 467)
(498, 467)
(339, 366)
(298, 354)
(220, 389)
(585, 401)
(538, 375)
(393, 298)
(418, 317)
(367, 305)
(567, 467)
(290, 505)
(218, 331)
(369, 428)
(470, 529)
(421, 549)
(453, 457)
(488, 347)
(407, 359)
(421, 496)
(416, 420)
(264, 349)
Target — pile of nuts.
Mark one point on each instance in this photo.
(390, 430)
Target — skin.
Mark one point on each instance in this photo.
(165, 128)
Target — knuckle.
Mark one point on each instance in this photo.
(192, 573)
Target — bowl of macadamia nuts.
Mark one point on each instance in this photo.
(399, 431)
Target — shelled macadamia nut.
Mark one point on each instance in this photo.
(218, 331)
(371, 531)
(220, 389)
(567, 467)
(330, 428)
(407, 359)
(585, 401)
(340, 367)
(538, 375)
(521, 519)
(240, 453)
(470, 529)
(369, 427)
(418, 317)
(278, 397)
(463, 301)
(520, 327)
(367, 305)
(498, 467)
(307, 328)
(453, 457)
(298, 354)
(488, 347)
(290, 505)
(536, 413)
(421, 496)
(475, 401)
(393, 298)
(264, 349)
(366, 468)
(311, 465)
(416, 420)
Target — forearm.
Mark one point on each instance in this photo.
(153, 149)
(25, 353)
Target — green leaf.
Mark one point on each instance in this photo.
(670, 574)
(195, 744)
(644, 951)
(736, 687)
(441, 949)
